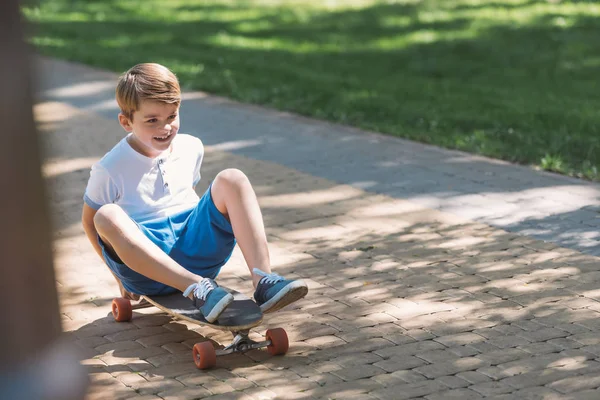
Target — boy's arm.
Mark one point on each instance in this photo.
(87, 220)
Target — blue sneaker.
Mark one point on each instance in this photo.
(209, 298)
(273, 292)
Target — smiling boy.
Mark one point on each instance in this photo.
(147, 223)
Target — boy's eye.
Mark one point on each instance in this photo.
(152, 120)
(173, 116)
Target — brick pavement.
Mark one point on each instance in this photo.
(406, 302)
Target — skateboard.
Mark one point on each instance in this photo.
(238, 318)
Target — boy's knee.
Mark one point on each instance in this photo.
(231, 177)
(107, 217)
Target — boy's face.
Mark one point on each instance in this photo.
(154, 126)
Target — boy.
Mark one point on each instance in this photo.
(144, 219)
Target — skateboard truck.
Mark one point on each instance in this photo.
(242, 343)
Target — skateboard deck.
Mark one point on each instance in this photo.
(243, 313)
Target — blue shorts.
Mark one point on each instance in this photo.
(201, 240)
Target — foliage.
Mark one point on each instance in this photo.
(511, 79)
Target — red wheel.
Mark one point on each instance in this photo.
(279, 341)
(121, 309)
(204, 355)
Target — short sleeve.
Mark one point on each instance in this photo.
(100, 189)
(200, 155)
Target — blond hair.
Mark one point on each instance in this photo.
(147, 81)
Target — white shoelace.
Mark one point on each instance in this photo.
(268, 278)
(201, 289)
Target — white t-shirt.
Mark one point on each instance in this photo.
(147, 188)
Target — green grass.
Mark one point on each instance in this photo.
(510, 79)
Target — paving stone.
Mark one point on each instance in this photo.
(504, 342)
(459, 339)
(176, 348)
(488, 389)
(543, 334)
(587, 338)
(535, 363)
(408, 349)
(460, 326)
(351, 360)
(463, 351)
(457, 394)
(420, 334)
(103, 330)
(132, 380)
(119, 346)
(410, 390)
(219, 387)
(453, 381)
(358, 372)
(91, 342)
(341, 390)
(437, 356)
(473, 377)
(135, 334)
(166, 338)
(158, 386)
(539, 348)
(295, 389)
(535, 393)
(185, 394)
(451, 367)
(494, 372)
(239, 383)
(399, 363)
(195, 379)
(323, 379)
(538, 378)
(576, 383)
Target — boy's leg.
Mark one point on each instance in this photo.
(122, 237)
(234, 197)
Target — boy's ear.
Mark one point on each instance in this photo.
(125, 122)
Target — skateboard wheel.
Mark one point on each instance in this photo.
(279, 341)
(204, 355)
(121, 309)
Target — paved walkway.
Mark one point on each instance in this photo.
(416, 292)
(546, 206)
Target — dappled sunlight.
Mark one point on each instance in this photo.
(386, 208)
(53, 168)
(236, 145)
(396, 290)
(46, 113)
(82, 89)
(311, 198)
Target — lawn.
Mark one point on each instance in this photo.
(510, 79)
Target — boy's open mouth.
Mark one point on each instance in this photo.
(162, 138)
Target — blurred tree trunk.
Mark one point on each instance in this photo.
(34, 363)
